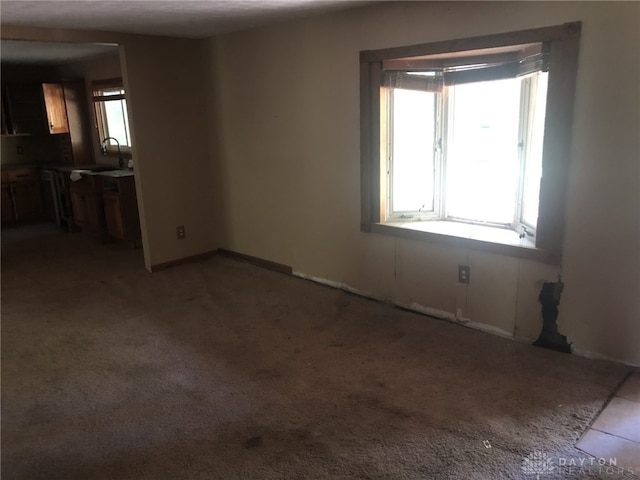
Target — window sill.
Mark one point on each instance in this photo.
(478, 237)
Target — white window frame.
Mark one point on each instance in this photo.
(442, 127)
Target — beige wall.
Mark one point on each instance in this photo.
(286, 168)
(165, 83)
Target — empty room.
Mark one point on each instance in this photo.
(320, 239)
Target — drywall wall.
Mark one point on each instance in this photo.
(287, 168)
(29, 150)
(165, 82)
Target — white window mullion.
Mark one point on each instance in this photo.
(533, 160)
(442, 134)
(389, 152)
(524, 136)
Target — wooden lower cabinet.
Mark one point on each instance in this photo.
(27, 201)
(7, 205)
(121, 209)
(86, 202)
(78, 203)
(113, 215)
(21, 196)
(106, 206)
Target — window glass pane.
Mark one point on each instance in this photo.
(482, 152)
(533, 165)
(412, 150)
(116, 121)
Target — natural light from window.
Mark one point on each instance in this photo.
(458, 147)
(482, 151)
(110, 107)
(117, 123)
(413, 150)
(470, 153)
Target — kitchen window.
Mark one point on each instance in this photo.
(112, 121)
(467, 141)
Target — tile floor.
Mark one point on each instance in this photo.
(616, 432)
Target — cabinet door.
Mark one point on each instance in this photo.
(27, 201)
(7, 205)
(5, 121)
(26, 109)
(95, 213)
(56, 108)
(75, 97)
(113, 215)
(79, 206)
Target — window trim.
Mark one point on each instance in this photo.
(563, 46)
(97, 85)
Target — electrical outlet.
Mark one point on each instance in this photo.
(464, 274)
(180, 232)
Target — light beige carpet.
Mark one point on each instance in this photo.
(223, 370)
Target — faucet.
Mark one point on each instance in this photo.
(103, 146)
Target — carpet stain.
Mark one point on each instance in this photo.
(265, 374)
(373, 402)
(254, 442)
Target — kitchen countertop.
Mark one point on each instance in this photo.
(60, 167)
(85, 170)
(77, 173)
(90, 167)
(114, 173)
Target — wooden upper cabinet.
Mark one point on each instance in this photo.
(34, 109)
(56, 108)
(24, 112)
(75, 97)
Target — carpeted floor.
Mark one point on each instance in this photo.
(223, 370)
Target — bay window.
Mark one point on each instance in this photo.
(468, 140)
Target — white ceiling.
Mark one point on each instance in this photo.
(187, 18)
(175, 18)
(23, 52)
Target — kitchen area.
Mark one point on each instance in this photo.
(66, 161)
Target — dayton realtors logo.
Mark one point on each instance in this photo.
(537, 463)
(540, 464)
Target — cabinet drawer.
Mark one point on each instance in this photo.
(22, 175)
